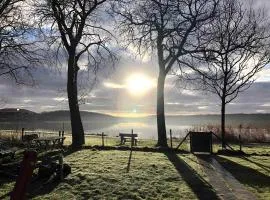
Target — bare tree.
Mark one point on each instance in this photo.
(18, 52)
(170, 29)
(75, 26)
(238, 50)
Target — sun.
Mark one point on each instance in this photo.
(139, 84)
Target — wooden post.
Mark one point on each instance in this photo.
(24, 178)
(240, 142)
(132, 138)
(102, 135)
(61, 162)
(63, 133)
(171, 138)
(22, 133)
(59, 134)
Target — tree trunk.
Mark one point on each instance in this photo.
(161, 126)
(223, 104)
(75, 117)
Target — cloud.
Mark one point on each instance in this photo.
(264, 75)
(113, 85)
(27, 100)
(60, 99)
(266, 105)
(202, 107)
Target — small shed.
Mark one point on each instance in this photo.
(201, 142)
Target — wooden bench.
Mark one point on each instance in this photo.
(49, 142)
(125, 136)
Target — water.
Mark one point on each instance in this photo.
(145, 131)
(146, 127)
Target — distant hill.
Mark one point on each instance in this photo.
(259, 120)
(60, 116)
(12, 114)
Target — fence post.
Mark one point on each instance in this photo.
(102, 138)
(63, 133)
(132, 138)
(240, 142)
(59, 133)
(171, 138)
(22, 133)
(61, 162)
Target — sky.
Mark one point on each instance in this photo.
(129, 90)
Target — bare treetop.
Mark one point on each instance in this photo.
(19, 52)
(76, 23)
(237, 51)
(173, 25)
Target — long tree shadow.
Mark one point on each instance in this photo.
(244, 174)
(38, 187)
(264, 167)
(198, 185)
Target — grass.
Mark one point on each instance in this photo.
(91, 140)
(252, 171)
(103, 175)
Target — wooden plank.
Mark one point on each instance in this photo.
(128, 135)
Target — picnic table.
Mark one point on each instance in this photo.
(46, 142)
(132, 136)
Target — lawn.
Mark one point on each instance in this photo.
(103, 175)
(117, 174)
(109, 175)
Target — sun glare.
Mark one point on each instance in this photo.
(139, 84)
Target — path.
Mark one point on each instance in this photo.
(225, 185)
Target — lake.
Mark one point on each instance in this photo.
(146, 127)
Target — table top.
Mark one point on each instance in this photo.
(49, 138)
(128, 134)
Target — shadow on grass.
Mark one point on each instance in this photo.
(244, 174)
(69, 150)
(8, 174)
(129, 161)
(38, 188)
(200, 187)
(3, 181)
(264, 167)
